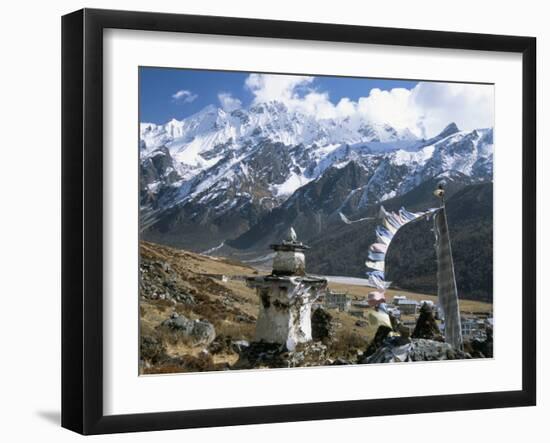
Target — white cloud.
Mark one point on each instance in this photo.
(393, 107)
(425, 110)
(228, 102)
(292, 90)
(284, 88)
(184, 96)
(437, 104)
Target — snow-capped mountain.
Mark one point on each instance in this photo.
(213, 176)
(201, 141)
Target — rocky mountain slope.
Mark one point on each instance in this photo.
(410, 261)
(231, 183)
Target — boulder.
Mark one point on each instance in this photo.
(258, 355)
(159, 281)
(427, 350)
(239, 345)
(397, 349)
(194, 332)
(426, 326)
(483, 348)
(184, 297)
(381, 334)
(321, 325)
(224, 344)
(262, 355)
(389, 354)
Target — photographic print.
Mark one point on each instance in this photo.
(293, 220)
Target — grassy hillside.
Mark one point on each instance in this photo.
(195, 290)
(191, 285)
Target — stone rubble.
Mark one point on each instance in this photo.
(260, 355)
(397, 349)
(158, 281)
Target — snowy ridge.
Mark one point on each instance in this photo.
(250, 161)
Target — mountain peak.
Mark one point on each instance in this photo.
(450, 129)
(272, 106)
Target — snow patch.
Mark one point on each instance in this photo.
(347, 221)
(214, 249)
(292, 183)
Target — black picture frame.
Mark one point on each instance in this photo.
(82, 215)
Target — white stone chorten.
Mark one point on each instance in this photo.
(286, 296)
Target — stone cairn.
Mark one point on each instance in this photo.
(286, 296)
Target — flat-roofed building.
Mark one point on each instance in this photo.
(337, 300)
(407, 307)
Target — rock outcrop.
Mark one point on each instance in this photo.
(426, 326)
(260, 355)
(321, 325)
(397, 349)
(194, 332)
(158, 281)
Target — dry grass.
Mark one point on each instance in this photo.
(237, 331)
(186, 363)
(223, 303)
(347, 343)
(197, 263)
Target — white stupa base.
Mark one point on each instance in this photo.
(285, 308)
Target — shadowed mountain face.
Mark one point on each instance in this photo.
(232, 183)
(308, 210)
(410, 261)
(411, 264)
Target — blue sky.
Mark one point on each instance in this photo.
(425, 108)
(167, 93)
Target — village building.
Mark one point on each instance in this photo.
(397, 299)
(362, 304)
(408, 307)
(337, 300)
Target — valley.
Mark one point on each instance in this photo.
(212, 290)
